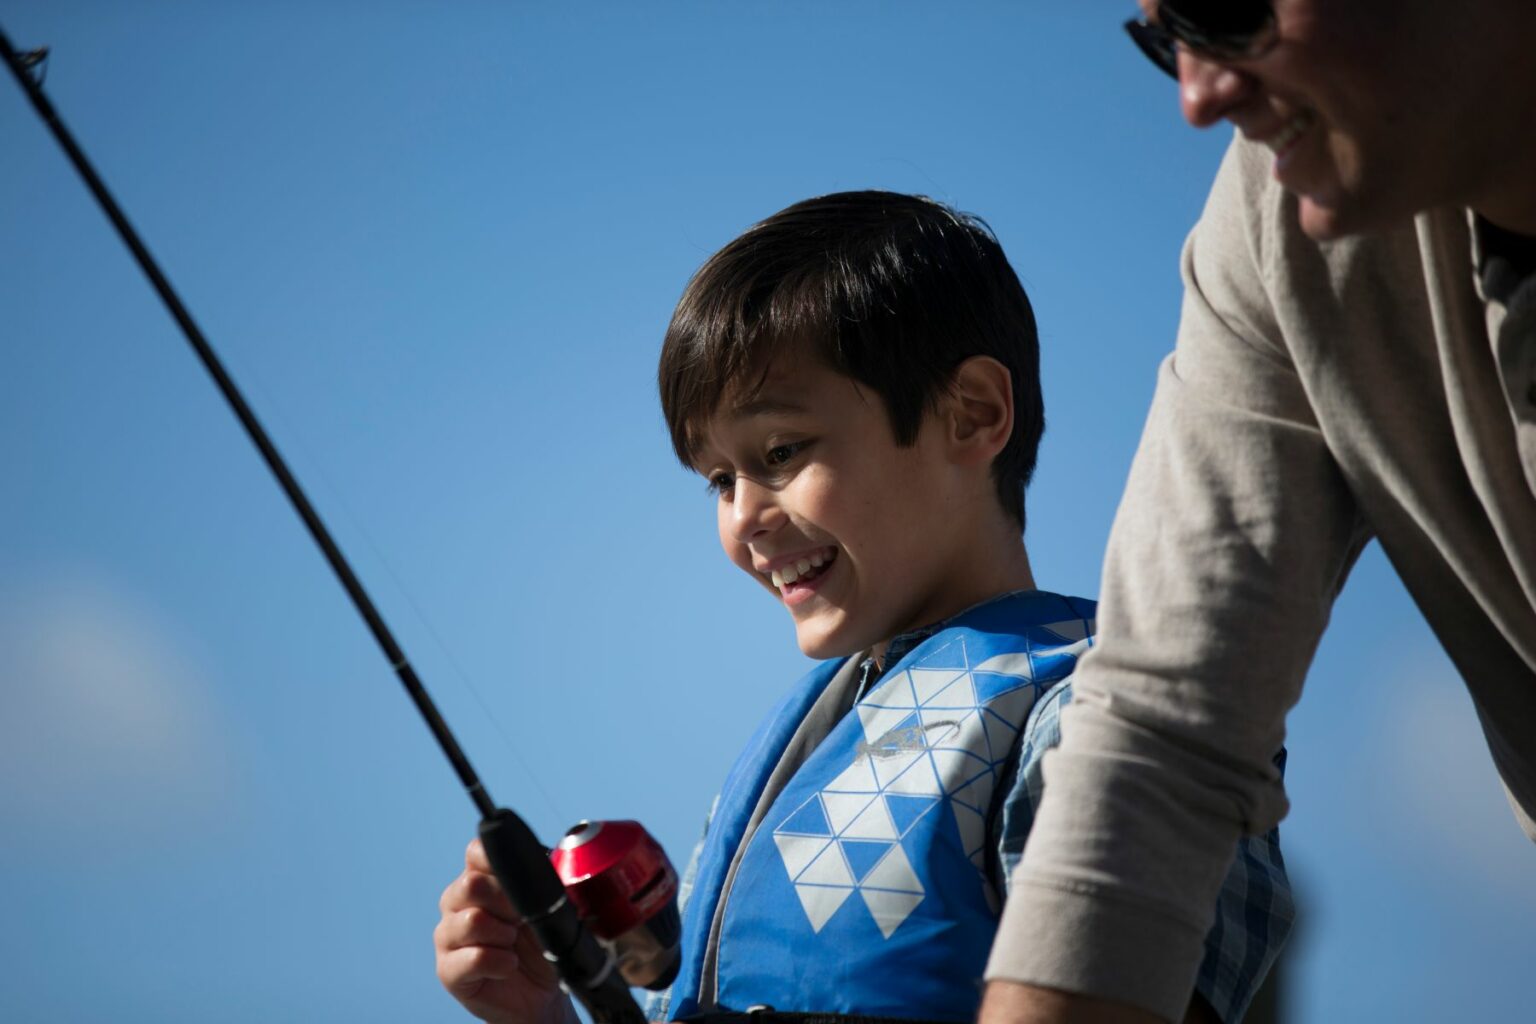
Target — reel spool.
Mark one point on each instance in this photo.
(625, 890)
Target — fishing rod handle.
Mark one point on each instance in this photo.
(587, 969)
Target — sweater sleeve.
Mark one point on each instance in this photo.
(1254, 912)
(1235, 532)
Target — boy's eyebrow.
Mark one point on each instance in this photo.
(764, 405)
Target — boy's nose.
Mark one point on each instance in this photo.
(1209, 90)
(754, 510)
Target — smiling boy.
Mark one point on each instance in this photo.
(861, 538)
(857, 377)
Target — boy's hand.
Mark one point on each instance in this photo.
(488, 959)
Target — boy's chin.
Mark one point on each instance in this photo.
(817, 641)
(818, 648)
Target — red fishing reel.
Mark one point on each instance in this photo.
(625, 889)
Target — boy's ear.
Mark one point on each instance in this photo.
(979, 410)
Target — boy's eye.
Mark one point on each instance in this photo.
(779, 454)
(719, 483)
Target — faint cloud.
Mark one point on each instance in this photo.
(1447, 795)
(103, 716)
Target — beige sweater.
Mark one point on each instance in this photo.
(1320, 395)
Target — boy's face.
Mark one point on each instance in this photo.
(852, 533)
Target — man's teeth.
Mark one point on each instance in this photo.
(1287, 135)
(791, 573)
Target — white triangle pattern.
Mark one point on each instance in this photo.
(880, 720)
(894, 872)
(799, 851)
(956, 750)
(926, 682)
(895, 689)
(958, 695)
(843, 808)
(858, 777)
(831, 868)
(821, 902)
(875, 823)
(888, 768)
(889, 909)
(1012, 706)
(919, 780)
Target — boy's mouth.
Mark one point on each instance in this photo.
(803, 570)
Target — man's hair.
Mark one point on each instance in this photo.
(894, 291)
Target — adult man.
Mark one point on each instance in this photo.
(1356, 359)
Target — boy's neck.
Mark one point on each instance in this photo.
(993, 578)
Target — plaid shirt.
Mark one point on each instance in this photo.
(1253, 913)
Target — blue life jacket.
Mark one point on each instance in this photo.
(864, 890)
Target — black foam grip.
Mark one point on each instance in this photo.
(521, 864)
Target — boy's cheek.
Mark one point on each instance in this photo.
(741, 556)
(734, 549)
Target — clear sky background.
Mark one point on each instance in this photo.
(438, 245)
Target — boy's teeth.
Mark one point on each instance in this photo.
(807, 566)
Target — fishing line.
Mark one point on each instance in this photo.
(338, 496)
(588, 970)
(21, 66)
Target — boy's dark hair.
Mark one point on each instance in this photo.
(895, 291)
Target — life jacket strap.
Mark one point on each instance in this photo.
(768, 1015)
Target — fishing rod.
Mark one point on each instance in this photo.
(605, 910)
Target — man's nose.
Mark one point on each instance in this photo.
(1209, 90)
(755, 510)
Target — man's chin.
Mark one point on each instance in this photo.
(1340, 214)
(1324, 222)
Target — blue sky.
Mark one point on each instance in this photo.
(438, 246)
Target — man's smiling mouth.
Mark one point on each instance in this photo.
(1284, 139)
(804, 569)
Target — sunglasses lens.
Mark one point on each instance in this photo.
(1217, 23)
(1218, 17)
(1158, 46)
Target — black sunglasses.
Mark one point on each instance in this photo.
(1218, 29)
